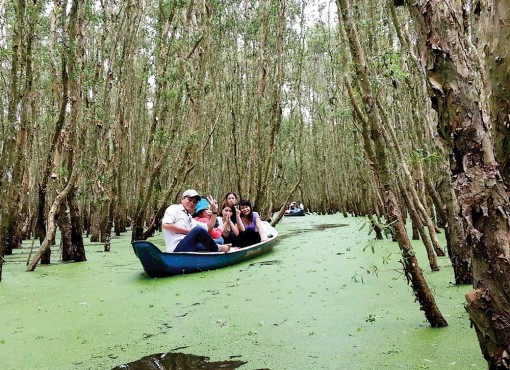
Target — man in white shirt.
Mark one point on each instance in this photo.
(183, 233)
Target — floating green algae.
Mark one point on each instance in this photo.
(320, 300)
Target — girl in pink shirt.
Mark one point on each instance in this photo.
(203, 214)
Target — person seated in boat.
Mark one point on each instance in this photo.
(230, 230)
(203, 214)
(290, 208)
(250, 229)
(184, 234)
(231, 200)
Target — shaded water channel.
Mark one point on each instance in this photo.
(319, 227)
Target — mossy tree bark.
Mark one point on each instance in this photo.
(492, 37)
(456, 77)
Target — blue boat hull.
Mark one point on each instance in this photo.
(157, 263)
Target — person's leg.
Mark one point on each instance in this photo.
(219, 240)
(231, 239)
(248, 237)
(197, 240)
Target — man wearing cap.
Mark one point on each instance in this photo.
(183, 233)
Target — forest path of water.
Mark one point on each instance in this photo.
(318, 301)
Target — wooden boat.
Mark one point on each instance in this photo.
(295, 212)
(157, 263)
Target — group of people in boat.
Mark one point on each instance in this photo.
(295, 206)
(197, 224)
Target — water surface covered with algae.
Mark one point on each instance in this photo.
(320, 300)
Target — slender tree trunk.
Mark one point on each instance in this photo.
(95, 229)
(415, 227)
(52, 226)
(418, 225)
(106, 232)
(376, 226)
(393, 213)
(64, 224)
(439, 207)
(457, 246)
(52, 150)
(76, 228)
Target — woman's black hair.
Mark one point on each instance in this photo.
(246, 202)
(233, 217)
(226, 195)
(225, 205)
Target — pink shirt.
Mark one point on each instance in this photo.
(215, 233)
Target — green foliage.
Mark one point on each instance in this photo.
(172, 5)
(420, 155)
(161, 136)
(373, 269)
(317, 39)
(62, 172)
(170, 94)
(390, 65)
(5, 53)
(387, 230)
(346, 112)
(386, 258)
(370, 318)
(357, 278)
(370, 244)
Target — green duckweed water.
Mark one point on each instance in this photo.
(317, 301)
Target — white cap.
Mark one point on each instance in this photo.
(191, 193)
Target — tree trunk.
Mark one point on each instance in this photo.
(95, 228)
(418, 225)
(377, 227)
(105, 223)
(76, 228)
(455, 75)
(381, 164)
(64, 223)
(456, 244)
(106, 232)
(494, 33)
(412, 270)
(415, 227)
(50, 235)
(439, 207)
(12, 149)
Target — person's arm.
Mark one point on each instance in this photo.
(214, 209)
(170, 218)
(260, 228)
(222, 224)
(234, 228)
(175, 229)
(239, 221)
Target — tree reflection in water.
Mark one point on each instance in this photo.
(177, 361)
